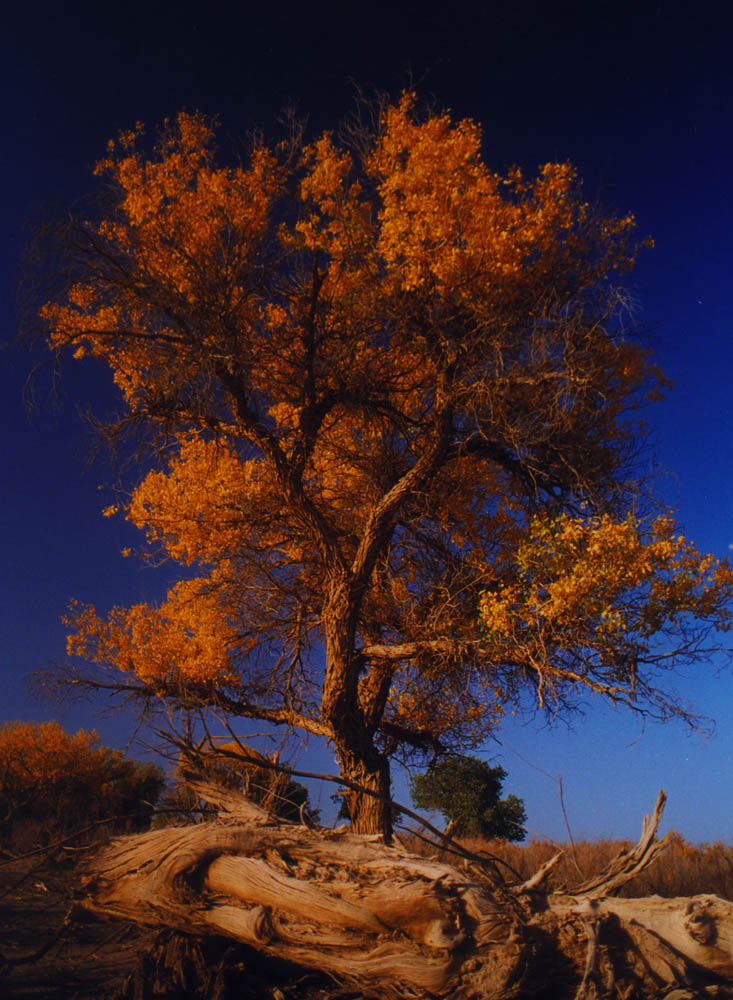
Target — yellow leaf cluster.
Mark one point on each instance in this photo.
(295, 331)
(42, 754)
(444, 707)
(426, 214)
(604, 578)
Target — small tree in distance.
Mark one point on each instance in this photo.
(467, 792)
(386, 404)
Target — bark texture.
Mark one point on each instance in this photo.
(399, 924)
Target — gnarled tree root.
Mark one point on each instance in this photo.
(377, 915)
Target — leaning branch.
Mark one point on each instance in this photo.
(444, 842)
(408, 650)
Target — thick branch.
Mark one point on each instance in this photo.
(190, 696)
(381, 519)
(408, 650)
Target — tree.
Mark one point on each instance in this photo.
(387, 407)
(466, 790)
(56, 782)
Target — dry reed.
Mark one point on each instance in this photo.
(683, 869)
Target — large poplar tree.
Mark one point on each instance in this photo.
(390, 409)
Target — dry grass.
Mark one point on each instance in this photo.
(682, 870)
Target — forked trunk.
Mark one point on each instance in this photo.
(352, 731)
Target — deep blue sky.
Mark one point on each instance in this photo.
(638, 96)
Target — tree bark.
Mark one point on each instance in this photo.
(370, 810)
(352, 732)
(385, 919)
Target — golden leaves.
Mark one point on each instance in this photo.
(294, 330)
(177, 216)
(575, 579)
(196, 508)
(182, 287)
(189, 637)
(39, 755)
(443, 706)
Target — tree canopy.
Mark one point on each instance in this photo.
(389, 409)
(53, 782)
(467, 790)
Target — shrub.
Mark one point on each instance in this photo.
(52, 783)
(466, 790)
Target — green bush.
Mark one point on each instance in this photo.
(467, 792)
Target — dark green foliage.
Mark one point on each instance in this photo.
(467, 792)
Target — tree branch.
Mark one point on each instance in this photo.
(408, 650)
(381, 519)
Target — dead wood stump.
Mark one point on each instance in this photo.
(389, 921)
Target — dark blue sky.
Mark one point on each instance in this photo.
(638, 96)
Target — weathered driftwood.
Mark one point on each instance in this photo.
(380, 916)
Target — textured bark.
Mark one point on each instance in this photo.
(351, 727)
(388, 920)
(369, 813)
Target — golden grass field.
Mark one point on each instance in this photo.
(683, 869)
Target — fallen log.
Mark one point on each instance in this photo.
(384, 918)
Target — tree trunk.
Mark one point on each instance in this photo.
(369, 813)
(390, 921)
(352, 733)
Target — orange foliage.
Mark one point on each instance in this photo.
(588, 599)
(380, 381)
(43, 754)
(56, 781)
